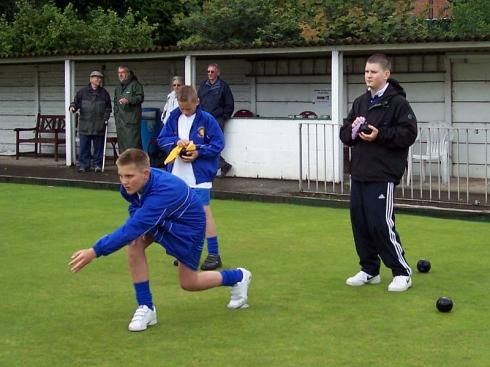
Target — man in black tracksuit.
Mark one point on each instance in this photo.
(380, 128)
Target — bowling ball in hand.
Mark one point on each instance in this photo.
(365, 128)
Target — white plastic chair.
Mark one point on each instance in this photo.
(436, 140)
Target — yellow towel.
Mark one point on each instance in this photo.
(174, 153)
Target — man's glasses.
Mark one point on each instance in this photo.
(211, 71)
(176, 85)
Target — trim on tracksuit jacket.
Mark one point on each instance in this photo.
(167, 209)
(206, 135)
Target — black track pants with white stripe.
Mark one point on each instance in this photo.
(373, 226)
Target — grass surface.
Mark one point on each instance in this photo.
(301, 314)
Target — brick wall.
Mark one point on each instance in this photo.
(422, 7)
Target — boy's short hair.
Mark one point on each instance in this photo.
(134, 156)
(380, 59)
(187, 94)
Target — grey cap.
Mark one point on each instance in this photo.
(96, 73)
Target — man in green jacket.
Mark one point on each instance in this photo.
(128, 98)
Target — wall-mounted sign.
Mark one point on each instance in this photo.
(323, 96)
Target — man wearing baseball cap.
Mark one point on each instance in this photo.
(94, 104)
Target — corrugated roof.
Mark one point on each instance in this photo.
(236, 46)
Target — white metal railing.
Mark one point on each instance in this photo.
(319, 163)
(445, 164)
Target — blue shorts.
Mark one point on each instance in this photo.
(188, 253)
(204, 195)
(191, 260)
(184, 239)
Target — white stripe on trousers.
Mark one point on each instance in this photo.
(391, 225)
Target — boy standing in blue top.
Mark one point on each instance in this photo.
(162, 209)
(190, 124)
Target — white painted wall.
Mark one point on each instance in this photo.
(471, 109)
(422, 77)
(17, 106)
(269, 148)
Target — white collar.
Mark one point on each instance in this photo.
(380, 92)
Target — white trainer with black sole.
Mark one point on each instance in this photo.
(142, 318)
(363, 278)
(239, 292)
(400, 283)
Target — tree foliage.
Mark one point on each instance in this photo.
(257, 21)
(47, 25)
(238, 21)
(249, 21)
(157, 12)
(381, 19)
(470, 17)
(50, 28)
(161, 14)
(7, 9)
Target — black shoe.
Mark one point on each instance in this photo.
(81, 170)
(225, 169)
(98, 170)
(212, 262)
(176, 262)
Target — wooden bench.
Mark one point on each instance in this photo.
(49, 129)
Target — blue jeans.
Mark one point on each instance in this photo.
(86, 156)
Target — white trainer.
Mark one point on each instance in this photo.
(239, 292)
(400, 283)
(142, 318)
(362, 278)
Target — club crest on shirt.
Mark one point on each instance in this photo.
(201, 131)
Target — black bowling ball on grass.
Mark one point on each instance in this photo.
(444, 304)
(423, 266)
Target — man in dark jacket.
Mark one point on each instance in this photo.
(215, 97)
(94, 104)
(380, 128)
(128, 98)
